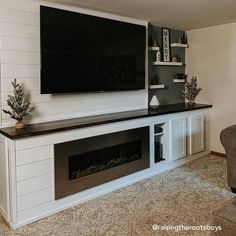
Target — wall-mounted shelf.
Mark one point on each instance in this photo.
(163, 63)
(158, 86)
(159, 134)
(153, 48)
(179, 80)
(179, 45)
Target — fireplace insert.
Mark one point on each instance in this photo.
(88, 162)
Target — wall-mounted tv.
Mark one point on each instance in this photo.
(84, 53)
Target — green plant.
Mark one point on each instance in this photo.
(191, 90)
(18, 104)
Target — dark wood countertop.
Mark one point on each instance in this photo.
(75, 123)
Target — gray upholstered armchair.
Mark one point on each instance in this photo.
(228, 140)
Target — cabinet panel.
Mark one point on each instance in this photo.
(178, 138)
(34, 199)
(27, 156)
(4, 181)
(197, 133)
(34, 169)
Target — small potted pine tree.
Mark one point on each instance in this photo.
(19, 107)
(191, 90)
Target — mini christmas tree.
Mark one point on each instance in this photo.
(18, 104)
(191, 90)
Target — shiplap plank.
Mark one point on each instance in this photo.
(20, 44)
(18, 30)
(33, 154)
(77, 105)
(12, 70)
(34, 169)
(82, 99)
(29, 83)
(20, 58)
(34, 199)
(35, 184)
(21, 5)
(16, 16)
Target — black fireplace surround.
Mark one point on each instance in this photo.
(88, 162)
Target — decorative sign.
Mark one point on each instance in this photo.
(166, 44)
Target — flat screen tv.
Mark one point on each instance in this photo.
(84, 53)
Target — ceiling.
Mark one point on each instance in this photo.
(179, 14)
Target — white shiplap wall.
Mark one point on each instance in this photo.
(20, 59)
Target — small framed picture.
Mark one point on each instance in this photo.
(166, 44)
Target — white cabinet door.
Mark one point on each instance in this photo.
(197, 133)
(178, 138)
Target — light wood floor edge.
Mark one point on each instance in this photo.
(219, 154)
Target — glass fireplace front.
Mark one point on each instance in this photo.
(88, 162)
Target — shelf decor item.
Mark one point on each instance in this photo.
(18, 105)
(155, 43)
(180, 41)
(155, 80)
(158, 56)
(174, 58)
(191, 90)
(154, 102)
(166, 44)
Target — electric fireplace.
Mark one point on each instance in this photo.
(88, 162)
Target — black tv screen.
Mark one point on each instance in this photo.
(83, 53)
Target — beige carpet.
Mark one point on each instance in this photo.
(184, 196)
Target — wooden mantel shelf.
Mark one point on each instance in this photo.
(69, 124)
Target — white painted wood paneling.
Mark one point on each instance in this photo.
(35, 184)
(45, 209)
(20, 44)
(20, 59)
(27, 156)
(34, 199)
(11, 70)
(34, 169)
(16, 16)
(19, 30)
(21, 5)
(30, 84)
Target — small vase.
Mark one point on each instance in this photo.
(191, 103)
(20, 124)
(154, 102)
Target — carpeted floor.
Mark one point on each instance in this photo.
(183, 196)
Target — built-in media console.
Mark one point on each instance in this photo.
(89, 162)
(51, 166)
